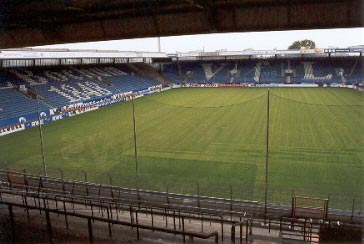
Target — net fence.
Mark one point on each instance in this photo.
(316, 145)
(210, 144)
(201, 141)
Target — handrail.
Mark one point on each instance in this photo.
(46, 208)
(248, 223)
(155, 197)
(196, 209)
(312, 198)
(192, 234)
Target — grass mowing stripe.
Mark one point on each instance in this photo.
(218, 141)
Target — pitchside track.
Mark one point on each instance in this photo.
(212, 142)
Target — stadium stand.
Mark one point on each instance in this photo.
(60, 86)
(10, 101)
(14, 103)
(311, 71)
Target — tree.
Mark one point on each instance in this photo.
(303, 44)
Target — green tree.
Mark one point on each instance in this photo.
(305, 44)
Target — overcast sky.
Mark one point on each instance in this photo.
(230, 41)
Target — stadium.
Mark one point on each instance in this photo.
(254, 146)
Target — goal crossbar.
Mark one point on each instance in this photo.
(309, 207)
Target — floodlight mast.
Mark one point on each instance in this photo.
(266, 158)
(41, 136)
(135, 146)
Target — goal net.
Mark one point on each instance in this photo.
(309, 207)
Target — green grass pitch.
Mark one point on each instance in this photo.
(213, 136)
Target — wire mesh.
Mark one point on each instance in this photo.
(201, 138)
(202, 141)
(316, 147)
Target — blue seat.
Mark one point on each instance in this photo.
(60, 86)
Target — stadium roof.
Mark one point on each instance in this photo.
(41, 22)
(37, 53)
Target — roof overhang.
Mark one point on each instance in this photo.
(42, 22)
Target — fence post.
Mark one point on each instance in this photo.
(327, 206)
(108, 218)
(232, 238)
(84, 174)
(246, 231)
(222, 228)
(198, 195)
(90, 234)
(49, 226)
(304, 230)
(293, 206)
(137, 223)
(40, 185)
(183, 229)
(62, 176)
(110, 181)
(65, 213)
(231, 202)
(12, 222)
(353, 209)
(241, 233)
(151, 213)
(168, 193)
(25, 196)
(110, 178)
(174, 221)
(138, 186)
(8, 178)
(62, 173)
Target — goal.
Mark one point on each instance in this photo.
(309, 207)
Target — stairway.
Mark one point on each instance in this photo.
(294, 237)
(258, 69)
(232, 78)
(299, 232)
(209, 72)
(148, 72)
(207, 68)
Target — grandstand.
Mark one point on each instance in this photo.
(57, 87)
(60, 86)
(268, 71)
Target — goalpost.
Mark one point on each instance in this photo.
(310, 207)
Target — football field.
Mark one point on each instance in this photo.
(215, 137)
